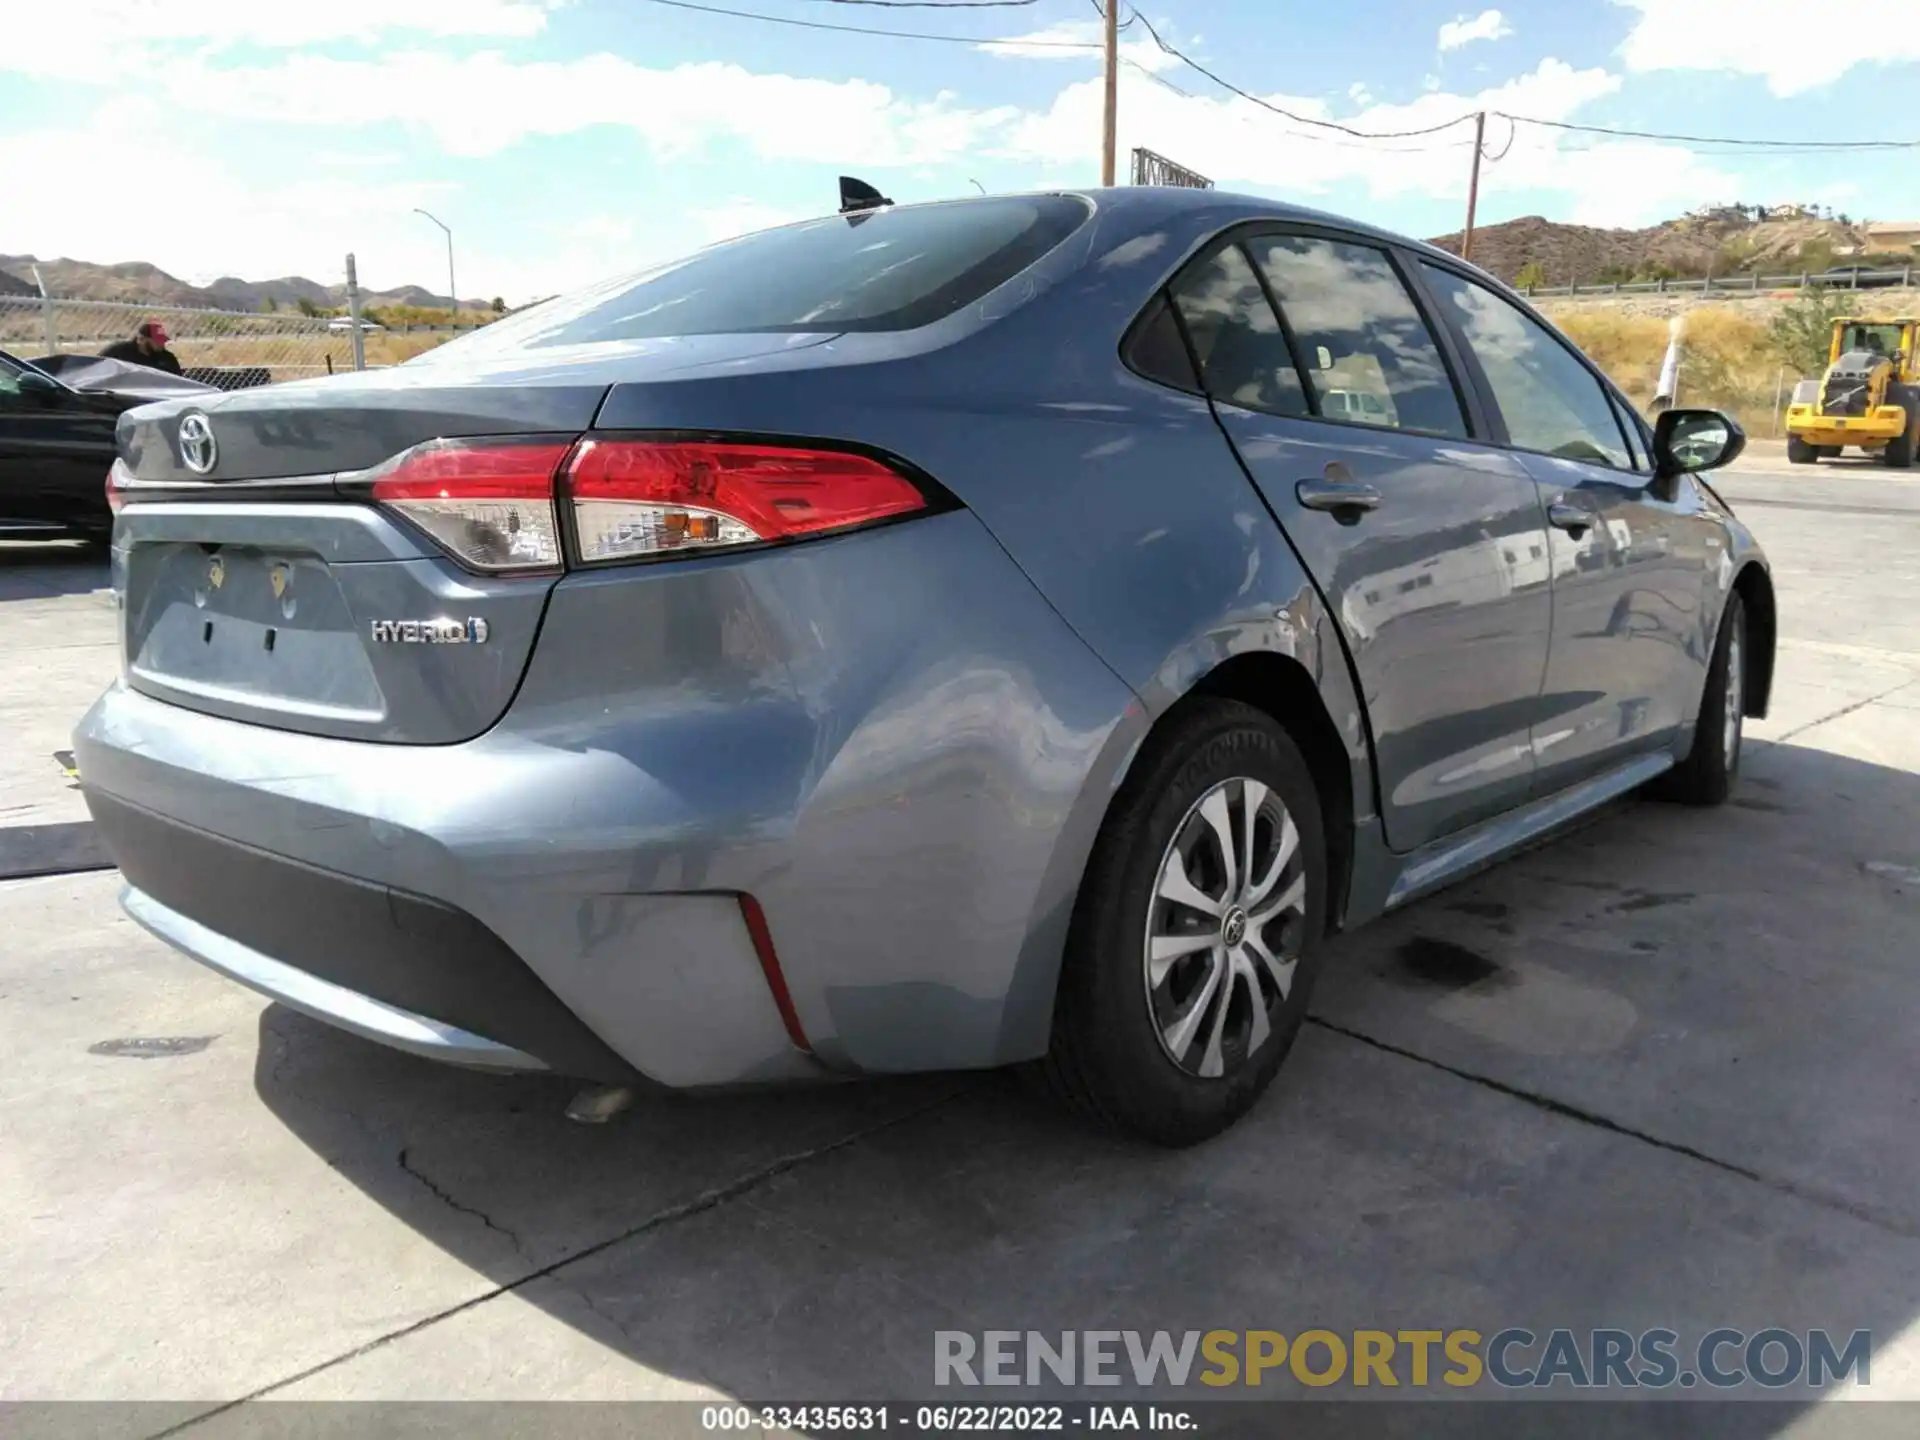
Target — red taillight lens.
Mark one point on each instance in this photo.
(488, 503)
(638, 498)
(116, 493)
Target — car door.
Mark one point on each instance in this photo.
(1629, 556)
(1427, 546)
(55, 450)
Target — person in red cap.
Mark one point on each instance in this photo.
(147, 347)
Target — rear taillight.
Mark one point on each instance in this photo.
(488, 503)
(633, 499)
(116, 491)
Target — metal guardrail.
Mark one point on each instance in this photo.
(1739, 284)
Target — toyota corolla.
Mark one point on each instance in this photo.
(944, 636)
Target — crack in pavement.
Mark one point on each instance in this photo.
(445, 1198)
(706, 1200)
(1827, 1200)
(1843, 710)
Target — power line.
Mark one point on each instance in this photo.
(1225, 84)
(1803, 146)
(873, 30)
(1513, 134)
(937, 4)
(1788, 147)
(1723, 144)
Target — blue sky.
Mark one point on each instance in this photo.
(567, 139)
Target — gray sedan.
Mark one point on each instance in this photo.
(1008, 631)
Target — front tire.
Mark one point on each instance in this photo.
(1899, 452)
(1195, 938)
(1799, 452)
(1707, 775)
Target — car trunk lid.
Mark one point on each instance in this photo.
(261, 582)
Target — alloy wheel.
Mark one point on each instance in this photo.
(1224, 928)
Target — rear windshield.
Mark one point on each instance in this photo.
(894, 269)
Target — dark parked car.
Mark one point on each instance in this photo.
(57, 420)
(1859, 277)
(940, 636)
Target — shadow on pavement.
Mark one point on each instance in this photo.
(1671, 1089)
(40, 569)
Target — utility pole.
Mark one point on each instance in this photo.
(1108, 141)
(353, 317)
(1473, 185)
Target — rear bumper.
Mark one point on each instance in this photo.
(394, 967)
(348, 1009)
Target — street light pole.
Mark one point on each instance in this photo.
(453, 295)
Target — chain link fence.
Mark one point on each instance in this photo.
(229, 348)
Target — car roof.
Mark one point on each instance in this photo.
(1148, 204)
(1144, 206)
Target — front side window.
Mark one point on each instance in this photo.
(1551, 402)
(10, 374)
(1244, 356)
(1368, 355)
(1636, 438)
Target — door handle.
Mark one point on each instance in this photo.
(1573, 519)
(1346, 499)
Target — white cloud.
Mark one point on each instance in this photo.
(276, 23)
(476, 105)
(1767, 38)
(1359, 94)
(1487, 25)
(231, 227)
(1239, 144)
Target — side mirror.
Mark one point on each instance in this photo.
(43, 388)
(1688, 441)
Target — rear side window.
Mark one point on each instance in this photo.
(1368, 355)
(1551, 402)
(1244, 356)
(1155, 349)
(895, 269)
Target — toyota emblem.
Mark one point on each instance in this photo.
(197, 448)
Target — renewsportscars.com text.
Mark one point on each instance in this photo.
(1512, 1358)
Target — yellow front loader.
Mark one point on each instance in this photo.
(1869, 396)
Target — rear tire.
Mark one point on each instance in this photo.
(1707, 775)
(1173, 1018)
(1799, 452)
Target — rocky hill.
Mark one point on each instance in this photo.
(137, 282)
(1723, 241)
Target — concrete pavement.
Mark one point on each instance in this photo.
(1659, 1073)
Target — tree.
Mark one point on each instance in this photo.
(1532, 275)
(499, 306)
(271, 305)
(1802, 332)
(307, 307)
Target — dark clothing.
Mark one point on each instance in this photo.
(130, 350)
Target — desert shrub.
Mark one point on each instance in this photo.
(1800, 333)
